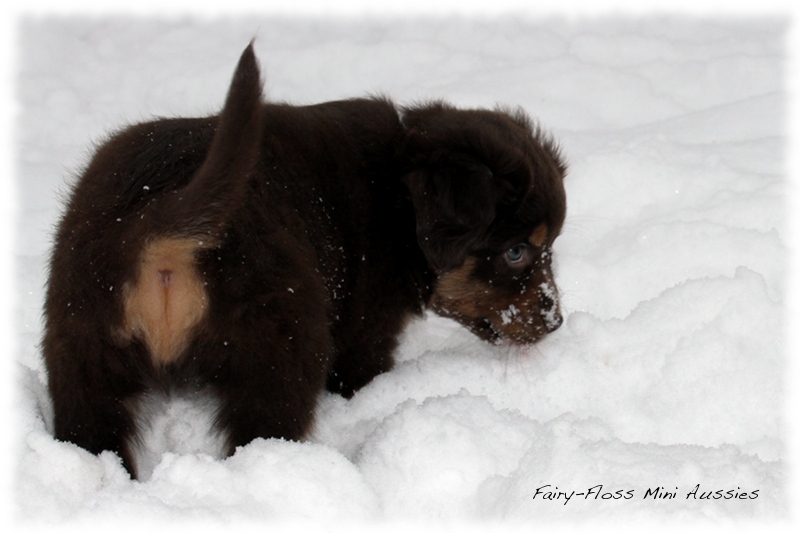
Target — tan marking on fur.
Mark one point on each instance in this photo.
(167, 298)
(539, 235)
(457, 291)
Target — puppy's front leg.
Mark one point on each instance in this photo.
(356, 366)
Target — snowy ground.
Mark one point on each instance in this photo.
(667, 372)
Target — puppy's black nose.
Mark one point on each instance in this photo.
(549, 310)
(553, 321)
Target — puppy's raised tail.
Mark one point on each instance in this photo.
(203, 208)
(167, 296)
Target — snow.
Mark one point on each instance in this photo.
(668, 371)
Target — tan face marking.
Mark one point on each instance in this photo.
(457, 292)
(167, 298)
(539, 236)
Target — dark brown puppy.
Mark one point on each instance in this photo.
(273, 251)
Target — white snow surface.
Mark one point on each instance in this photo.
(672, 267)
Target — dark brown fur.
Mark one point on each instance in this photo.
(274, 251)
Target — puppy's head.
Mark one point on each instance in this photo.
(489, 200)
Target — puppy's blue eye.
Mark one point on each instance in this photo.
(518, 255)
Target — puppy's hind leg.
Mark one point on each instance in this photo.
(266, 358)
(91, 383)
(270, 385)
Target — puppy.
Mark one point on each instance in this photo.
(274, 251)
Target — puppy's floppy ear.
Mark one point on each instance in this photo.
(454, 203)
